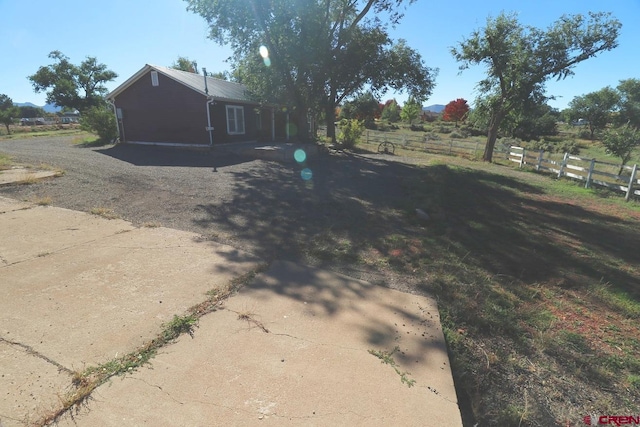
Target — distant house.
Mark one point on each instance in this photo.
(70, 117)
(164, 106)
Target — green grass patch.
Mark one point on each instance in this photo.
(5, 161)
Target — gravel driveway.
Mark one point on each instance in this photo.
(264, 207)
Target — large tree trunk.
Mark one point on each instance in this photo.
(492, 135)
(331, 123)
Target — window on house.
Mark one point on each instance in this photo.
(154, 78)
(235, 120)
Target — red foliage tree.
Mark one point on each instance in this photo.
(456, 111)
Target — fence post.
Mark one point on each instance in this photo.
(563, 164)
(540, 157)
(522, 159)
(475, 150)
(590, 174)
(450, 147)
(633, 178)
(367, 136)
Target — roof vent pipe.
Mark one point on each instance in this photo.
(206, 89)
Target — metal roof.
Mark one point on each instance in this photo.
(218, 89)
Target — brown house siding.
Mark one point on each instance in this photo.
(169, 112)
(174, 113)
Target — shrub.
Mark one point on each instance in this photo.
(570, 147)
(417, 128)
(584, 134)
(101, 121)
(350, 132)
(444, 129)
(458, 134)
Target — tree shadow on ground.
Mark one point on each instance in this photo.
(354, 205)
(140, 155)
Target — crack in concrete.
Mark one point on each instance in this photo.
(159, 388)
(437, 393)
(35, 353)
(317, 343)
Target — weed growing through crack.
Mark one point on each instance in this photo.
(151, 224)
(178, 326)
(104, 213)
(386, 357)
(87, 381)
(43, 201)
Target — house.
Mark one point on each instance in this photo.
(68, 117)
(164, 106)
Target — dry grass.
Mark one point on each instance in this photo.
(104, 213)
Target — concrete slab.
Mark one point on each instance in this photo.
(85, 304)
(41, 230)
(23, 175)
(8, 205)
(294, 348)
(79, 290)
(29, 385)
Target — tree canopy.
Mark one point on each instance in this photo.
(456, 111)
(596, 108)
(364, 107)
(520, 59)
(410, 110)
(621, 142)
(185, 64)
(8, 112)
(313, 54)
(629, 104)
(72, 86)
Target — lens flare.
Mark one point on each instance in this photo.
(300, 155)
(264, 52)
(306, 174)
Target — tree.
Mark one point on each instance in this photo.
(456, 111)
(391, 111)
(73, 86)
(629, 105)
(596, 108)
(28, 111)
(8, 112)
(621, 142)
(99, 119)
(410, 110)
(185, 64)
(363, 107)
(534, 121)
(520, 59)
(313, 54)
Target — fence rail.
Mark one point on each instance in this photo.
(582, 169)
(420, 141)
(591, 171)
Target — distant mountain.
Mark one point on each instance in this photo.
(435, 108)
(48, 108)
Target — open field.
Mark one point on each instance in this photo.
(536, 278)
(20, 132)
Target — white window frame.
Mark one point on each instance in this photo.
(235, 120)
(154, 79)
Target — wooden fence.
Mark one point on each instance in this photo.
(425, 142)
(591, 171)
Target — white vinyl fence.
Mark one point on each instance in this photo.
(591, 171)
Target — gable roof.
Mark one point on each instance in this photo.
(218, 89)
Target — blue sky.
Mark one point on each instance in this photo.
(127, 34)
